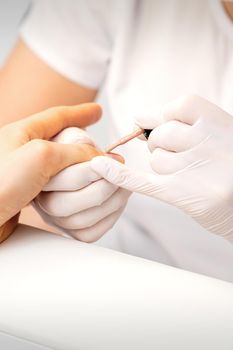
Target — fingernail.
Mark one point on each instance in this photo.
(115, 156)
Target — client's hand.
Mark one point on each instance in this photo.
(28, 160)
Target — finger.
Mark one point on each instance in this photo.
(95, 232)
(47, 124)
(73, 178)
(148, 120)
(164, 162)
(115, 156)
(73, 135)
(92, 216)
(134, 181)
(76, 176)
(172, 136)
(36, 162)
(69, 203)
(187, 109)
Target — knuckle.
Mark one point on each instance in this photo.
(111, 222)
(61, 222)
(119, 177)
(51, 205)
(104, 191)
(84, 237)
(99, 198)
(157, 153)
(89, 238)
(42, 149)
(156, 160)
(72, 223)
(225, 194)
(122, 178)
(188, 100)
(18, 133)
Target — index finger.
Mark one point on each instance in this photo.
(47, 124)
(186, 109)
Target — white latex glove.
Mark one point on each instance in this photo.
(192, 156)
(77, 200)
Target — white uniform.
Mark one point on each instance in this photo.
(143, 54)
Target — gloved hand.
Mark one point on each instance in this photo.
(192, 157)
(77, 200)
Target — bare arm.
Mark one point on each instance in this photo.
(29, 85)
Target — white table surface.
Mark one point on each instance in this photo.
(67, 295)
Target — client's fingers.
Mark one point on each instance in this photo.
(47, 124)
(36, 162)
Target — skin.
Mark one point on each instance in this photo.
(25, 146)
(228, 6)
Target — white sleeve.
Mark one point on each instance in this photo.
(73, 37)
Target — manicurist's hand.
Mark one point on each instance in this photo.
(192, 158)
(28, 159)
(77, 200)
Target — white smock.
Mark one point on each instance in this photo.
(141, 55)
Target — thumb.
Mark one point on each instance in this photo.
(118, 174)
